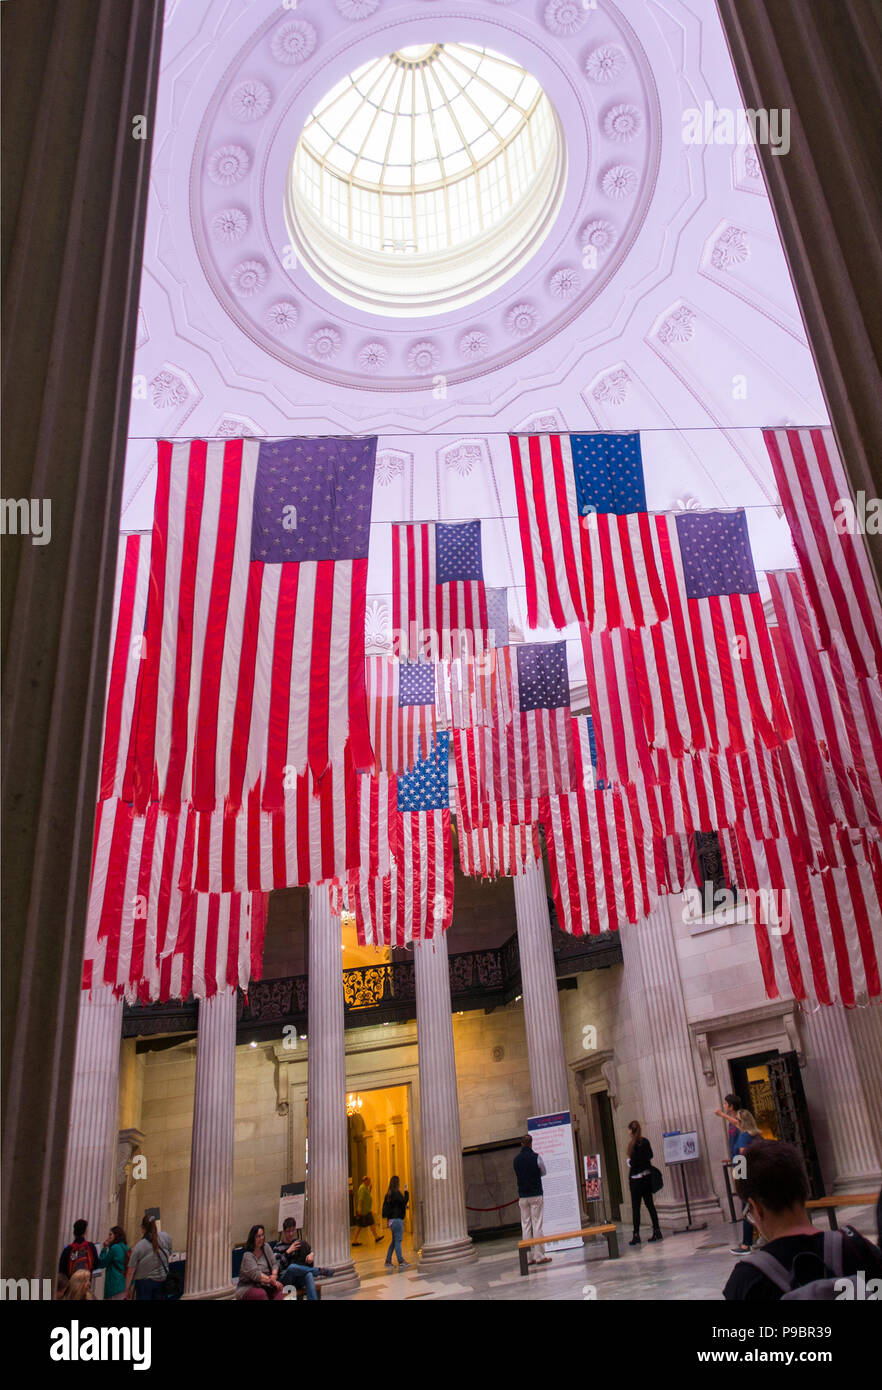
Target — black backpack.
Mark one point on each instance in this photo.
(830, 1282)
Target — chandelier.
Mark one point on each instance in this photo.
(353, 1104)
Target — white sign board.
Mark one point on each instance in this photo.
(553, 1140)
(292, 1206)
(680, 1148)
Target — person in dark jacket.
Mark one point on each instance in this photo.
(394, 1208)
(639, 1162)
(529, 1170)
(80, 1254)
(296, 1262)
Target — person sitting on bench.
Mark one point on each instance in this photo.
(297, 1262)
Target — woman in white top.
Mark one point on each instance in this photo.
(149, 1262)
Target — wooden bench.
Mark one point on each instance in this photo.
(612, 1242)
(847, 1199)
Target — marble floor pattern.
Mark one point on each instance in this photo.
(690, 1266)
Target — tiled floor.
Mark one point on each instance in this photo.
(688, 1267)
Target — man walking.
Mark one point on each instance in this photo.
(529, 1169)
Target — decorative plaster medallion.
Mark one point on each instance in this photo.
(377, 632)
(620, 181)
(462, 458)
(282, 316)
(730, 248)
(521, 319)
(248, 278)
(250, 100)
(679, 327)
(605, 63)
(565, 17)
(543, 424)
(474, 345)
(231, 428)
(324, 344)
(498, 1052)
(293, 42)
(166, 389)
(373, 358)
(613, 388)
(228, 165)
(623, 122)
(565, 282)
(686, 504)
(389, 465)
(599, 234)
(357, 9)
(423, 358)
(229, 225)
(751, 163)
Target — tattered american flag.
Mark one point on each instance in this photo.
(439, 601)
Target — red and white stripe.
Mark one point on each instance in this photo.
(623, 751)
(397, 730)
(838, 577)
(434, 621)
(125, 664)
(552, 540)
(818, 934)
(602, 867)
(489, 843)
(415, 899)
(250, 668)
(625, 568)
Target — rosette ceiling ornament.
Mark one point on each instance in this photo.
(385, 193)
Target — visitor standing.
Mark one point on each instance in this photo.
(729, 1113)
(394, 1209)
(258, 1272)
(640, 1165)
(80, 1254)
(747, 1133)
(148, 1263)
(529, 1170)
(113, 1260)
(364, 1211)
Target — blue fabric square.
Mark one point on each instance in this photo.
(717, 558)
(543, 680)
(427, 787)
(609, 473)
(457, 551)
(312, 499)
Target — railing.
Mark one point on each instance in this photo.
(386, 993)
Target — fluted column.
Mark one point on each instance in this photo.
(851, 1145)
(865, 1027)
(445, 1235)
(545, 1048)
(327, 1182)
(660, 1034)
(92, 1134)
(210, 1209)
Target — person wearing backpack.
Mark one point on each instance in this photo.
(80, 1254)
(114, 1258)
(148, 1263)
(394, 1208)
(797, 1261)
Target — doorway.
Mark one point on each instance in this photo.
(770, 1085)
(611, 1178)
(378, 1126)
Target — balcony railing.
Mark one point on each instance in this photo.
(378, 994)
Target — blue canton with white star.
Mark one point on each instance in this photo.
(497, 617)
(312, 499)
(609, 473)
(543, 681)
(717, 558)
(416, 683)
(457, 551)
(427, 787)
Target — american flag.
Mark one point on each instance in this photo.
(488, 845)
(438, 595)
(127, 652)
(532, 754)
(406, 704)
(255, 623)
(833, 558)
(551, 536)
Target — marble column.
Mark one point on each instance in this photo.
(865, 1027)
(545, 1048)
(210, 1208)
(663, 1053)
(75, 183)
(851, 1155)
(445, 1235)
(90, 1168)
(327, 1183)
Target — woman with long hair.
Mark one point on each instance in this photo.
(259, 1270)
(148, 1263)
(748, 1131)
(113, 1259)
(394, 1207)
(80, 1286)
(640, 1165)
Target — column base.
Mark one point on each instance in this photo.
(862, 1182)
(223, 1291)
(444, 1255)
(345, 1280)
(703, 1211)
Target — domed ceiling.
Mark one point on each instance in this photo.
(637, 280)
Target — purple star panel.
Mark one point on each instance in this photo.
(497, 617)
(717, 559)
(458, 552)
(427, 788)
(312, 499)
(416, 683)
(543, 681)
